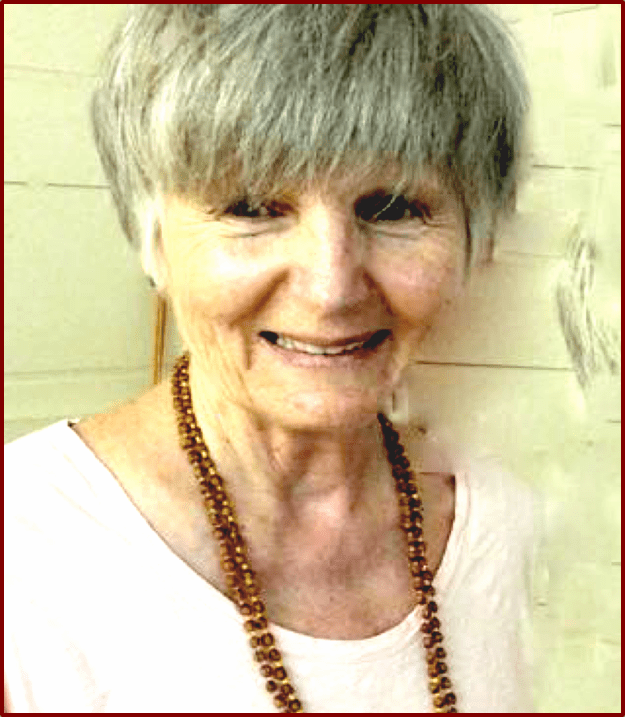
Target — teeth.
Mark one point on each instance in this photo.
(293, 345)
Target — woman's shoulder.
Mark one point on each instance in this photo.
(137, 437)
(139, 446)
(72, 462)
(40, 459)
(487, 492)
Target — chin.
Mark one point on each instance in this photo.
(323, 412)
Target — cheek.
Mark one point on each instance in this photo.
(423, 284)
(214, 285)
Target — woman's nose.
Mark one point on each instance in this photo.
(334, 267)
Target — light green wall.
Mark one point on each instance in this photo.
(79, 313)
(496, 377)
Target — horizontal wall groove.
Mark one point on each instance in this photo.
(38, 70)
(78, 373)
(583, 168)
(569, 10)
(502, 253)
(53, 185)
(69, 185)
(560, 369)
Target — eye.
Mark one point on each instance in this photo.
(381, 207)
(248, 209)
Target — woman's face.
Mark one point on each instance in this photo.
(304, 308)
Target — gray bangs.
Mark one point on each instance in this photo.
(206, 101)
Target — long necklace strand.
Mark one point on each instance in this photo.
(241, 580)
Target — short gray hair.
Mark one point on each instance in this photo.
(193, 95)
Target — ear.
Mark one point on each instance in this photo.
(153, 264)
(152, 254)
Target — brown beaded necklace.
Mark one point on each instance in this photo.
(241, 581)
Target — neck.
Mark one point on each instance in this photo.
(295, 475)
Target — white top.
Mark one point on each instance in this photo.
(101, 615)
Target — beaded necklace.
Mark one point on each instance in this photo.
(241, 580)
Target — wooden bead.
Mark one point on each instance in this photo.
(437, 636)
(221, 532)
(430, 626)
(432, 670)
(232, 580)
(415, 533)
(431, 608)
(258, 607)
(436, 668)
(436, 654)
(280, 701)
(228, 565)
(267, 639)
(435, 684)
(252, 590)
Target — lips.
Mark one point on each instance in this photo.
(324, 347)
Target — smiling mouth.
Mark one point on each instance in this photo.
(289, 344)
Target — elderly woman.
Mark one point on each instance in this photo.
(308, 185)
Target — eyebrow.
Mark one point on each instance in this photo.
(426, 187)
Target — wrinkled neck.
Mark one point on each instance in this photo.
(287, 473)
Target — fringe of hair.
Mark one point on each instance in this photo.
(206, 101)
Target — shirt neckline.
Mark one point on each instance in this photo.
(293, 642)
